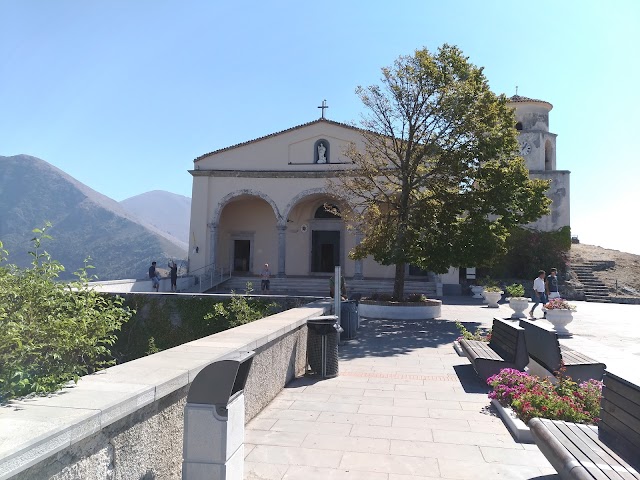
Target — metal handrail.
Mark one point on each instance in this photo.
(212, 277)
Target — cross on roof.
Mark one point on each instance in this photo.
(323, 106)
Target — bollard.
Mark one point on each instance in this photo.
(213, 445)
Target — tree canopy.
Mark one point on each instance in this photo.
(438, 181)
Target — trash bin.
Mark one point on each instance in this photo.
(348, 319)
(323, 335)
(213, 443)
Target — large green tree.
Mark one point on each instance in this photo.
(438, 181)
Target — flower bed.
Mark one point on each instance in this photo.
(530, 396)
(410, 309)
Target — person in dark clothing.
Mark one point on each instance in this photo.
(552, 284)
(153, 275)
(173, 267)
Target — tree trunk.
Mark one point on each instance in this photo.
(398, 282)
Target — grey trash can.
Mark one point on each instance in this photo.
(348, 319)
(213, 437)
(323, 335)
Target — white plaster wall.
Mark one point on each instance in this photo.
(277, 151)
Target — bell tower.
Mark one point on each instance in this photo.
(537, 144)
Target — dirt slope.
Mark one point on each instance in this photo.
(626, 270)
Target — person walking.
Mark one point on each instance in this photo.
(153, 275)
(265, 276)
(539, 292)
(173, 273)
(552, 284)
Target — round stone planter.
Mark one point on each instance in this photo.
(492, 298)
(518, 305)
(477, 291)
(560, 319)
(400, 310)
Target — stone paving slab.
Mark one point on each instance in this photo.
(406, 407)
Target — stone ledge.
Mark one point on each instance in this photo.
(517, 427)
(33, 429)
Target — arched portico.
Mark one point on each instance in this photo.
(243, 236)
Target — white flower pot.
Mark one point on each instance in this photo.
(477, 291)
(518, 305)
(492, 298)
(560, 319)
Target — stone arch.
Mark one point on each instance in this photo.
(307, 193)
(215, 219)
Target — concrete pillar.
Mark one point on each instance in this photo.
(358, 263)
(213, 237)
(282, 250)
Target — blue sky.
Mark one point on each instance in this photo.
(124, 95)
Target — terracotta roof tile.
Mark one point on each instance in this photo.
(521, 99)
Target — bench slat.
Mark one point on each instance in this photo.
(571, 357)
(626, 471)
(576, 449)
(596, 463)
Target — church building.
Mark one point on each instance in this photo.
(262, 201)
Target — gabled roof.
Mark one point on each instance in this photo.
(521, 99)
(344, 125)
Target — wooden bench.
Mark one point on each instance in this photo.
(507, 349)
(543, 347)
(610, 451)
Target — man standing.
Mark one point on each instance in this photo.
(173, 268)
(552, 284)
(153, 275)
(265, 275)
(539, 295)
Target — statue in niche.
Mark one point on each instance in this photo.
(321, 153)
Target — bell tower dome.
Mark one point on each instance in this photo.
(537, 144)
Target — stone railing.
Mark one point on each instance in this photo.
(127, 421)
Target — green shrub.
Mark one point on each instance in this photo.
(51, 332)
(163, 322)
(515, 290)
(530, 250)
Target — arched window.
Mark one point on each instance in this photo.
(327, 211)
(548, 156)
(519, 126)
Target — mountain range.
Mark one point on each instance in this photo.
(122, 239)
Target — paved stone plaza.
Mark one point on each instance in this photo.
(405, 406)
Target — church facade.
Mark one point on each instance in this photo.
(262, 201)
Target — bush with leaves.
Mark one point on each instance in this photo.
(51, 332)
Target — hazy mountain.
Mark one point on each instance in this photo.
(85, 223)
(164, 210)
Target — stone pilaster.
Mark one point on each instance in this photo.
(358, 263)
(282, 250)
(213, 237)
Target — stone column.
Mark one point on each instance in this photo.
(358, 263)
(213, 237)
(282, 250)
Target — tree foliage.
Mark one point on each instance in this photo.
(50, 331)
(528, 251)
(437, 181)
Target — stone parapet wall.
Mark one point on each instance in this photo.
(126, 422)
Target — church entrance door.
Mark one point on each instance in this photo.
(325, 250)
(241, 255)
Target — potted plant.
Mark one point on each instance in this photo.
(492, 292)
(559, 313)
(517, 301)
(477, 291)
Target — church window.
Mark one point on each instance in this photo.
(548, 155)
(519, 126)
(327, 211)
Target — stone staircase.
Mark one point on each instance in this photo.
(319, 286)
(594, 289)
